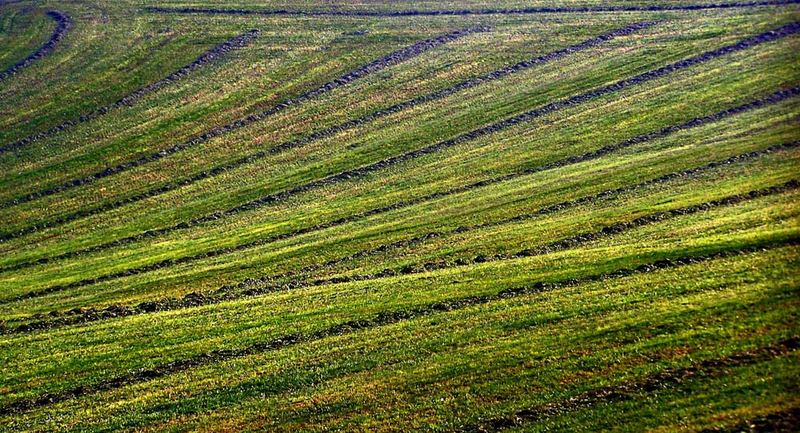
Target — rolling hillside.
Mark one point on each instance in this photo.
(450, 216)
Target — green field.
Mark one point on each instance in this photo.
(449, 216)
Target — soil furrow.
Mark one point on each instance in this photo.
(452, 12)
(329, 132)
(270, 283)
(130, 99)
(768, 36)
(63, 24)
(664, 380)
(375, 66)
(380, 319)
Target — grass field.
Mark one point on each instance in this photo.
(451, 216)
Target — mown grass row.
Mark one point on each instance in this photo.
(490, 129)
(327, 246)
(534, 169)
(622, 262)
(246, 288)
(315, 250)
(775, 98)
(509, 296)
(107, 185)
(241, 322)
(377, 65)
(213, 171)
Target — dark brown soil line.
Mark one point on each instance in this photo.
(667, 379)
(456, 12)
(380, 319)
(370, 68)
(271, 283)
(130, 99)
(63, 25)
(329, 132)
(786, 421)
(346, 175)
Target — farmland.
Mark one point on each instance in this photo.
(450, 216)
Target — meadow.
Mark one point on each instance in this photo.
(449, 216)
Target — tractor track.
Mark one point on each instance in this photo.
(459, 12)
(329, 132)
(393, 58)
(271, 283)
(133, 97)
(377, 320)
(63, 25)
(358, 172)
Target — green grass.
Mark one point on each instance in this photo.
(475, 332)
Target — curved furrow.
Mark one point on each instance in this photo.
(375, 66)
(271, 283)
(456, 12)
(63, 24)
(328, 132)
(603, 151)
(130, 99)
(772, 35)
(378, 320)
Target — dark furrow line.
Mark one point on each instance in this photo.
(375, 66)
(63, 24)
(329, 132)
(666, 379)
(358, 172)
(130, 99)
(377, 320)
(451, 12)
(771, 99)
(271, 283)
(776, 422)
